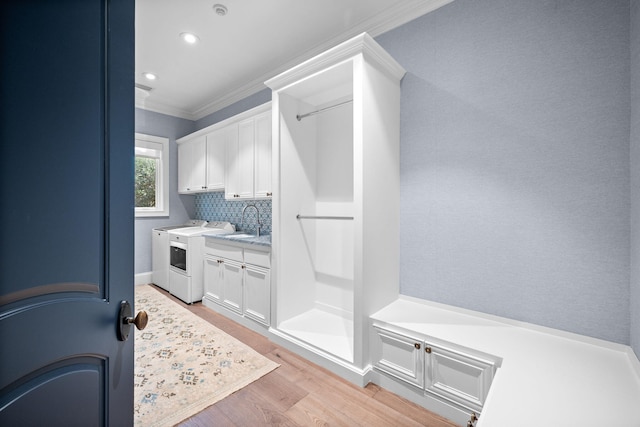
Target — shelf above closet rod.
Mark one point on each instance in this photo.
(322, 217)
(302, 116)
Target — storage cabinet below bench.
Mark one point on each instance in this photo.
(428, 368)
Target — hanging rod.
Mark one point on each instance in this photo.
(302, 116)
(322, 217)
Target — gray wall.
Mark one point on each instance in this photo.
(515, 161)
(635, 176)
(181, 208)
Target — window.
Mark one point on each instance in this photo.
(152, 175)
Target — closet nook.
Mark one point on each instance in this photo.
(336, 126)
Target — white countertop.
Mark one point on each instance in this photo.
(547, 378)
(262, 243)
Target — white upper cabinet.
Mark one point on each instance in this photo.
(248, 161)
(192, 165)
(262, 185)
(233, 155)
(216, 146)
(240, 178)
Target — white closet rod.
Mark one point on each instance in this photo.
(302, 116)
(322, 217)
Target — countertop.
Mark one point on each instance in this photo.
(262, 242)
(547, 378)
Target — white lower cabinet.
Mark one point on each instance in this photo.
(213, 278)
(233, 273)
(257, 289)
(238, 279)
(400, 356)
(455, 374)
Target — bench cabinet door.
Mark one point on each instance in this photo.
(400, 356)
(457, 376)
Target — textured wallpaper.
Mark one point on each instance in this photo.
(515, 161)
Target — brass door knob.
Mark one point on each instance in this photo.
(140, 320)
(126, 319)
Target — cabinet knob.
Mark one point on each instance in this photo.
(269, 194)
(417, 346)
(244, 266)
(427, 349)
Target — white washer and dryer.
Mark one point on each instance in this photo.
(186, 246)
(160, 251)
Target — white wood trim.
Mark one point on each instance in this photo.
(362, 43)
(142, 278)
(165, 202)
(161, 108)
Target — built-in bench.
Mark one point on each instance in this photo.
(512, 373)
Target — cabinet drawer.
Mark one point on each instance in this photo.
(212, 248)
(259, 258)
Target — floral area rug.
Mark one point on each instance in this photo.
(184, 364)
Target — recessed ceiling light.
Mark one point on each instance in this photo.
(220, 9)
(149, 76)
(189, 38)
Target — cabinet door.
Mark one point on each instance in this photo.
(215, 165)
(257, 294)
(458, 376)
(213, 279)
(191, 165)
(184, 167)
(246, 155)
(400, 356)
(232, 285)
(231, 173)
(263, 186)
(198, 177)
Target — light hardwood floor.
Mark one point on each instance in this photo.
(300, 393)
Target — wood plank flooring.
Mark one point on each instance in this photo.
(300, 393)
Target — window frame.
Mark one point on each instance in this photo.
(160, 144)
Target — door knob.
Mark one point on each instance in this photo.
(140, 320)
(125, 320)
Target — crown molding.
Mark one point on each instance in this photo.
(169, 110)
(391, 18)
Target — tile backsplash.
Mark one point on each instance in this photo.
(214, 207)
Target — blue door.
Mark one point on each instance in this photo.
(66, 211)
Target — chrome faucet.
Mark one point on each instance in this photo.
(257, 217)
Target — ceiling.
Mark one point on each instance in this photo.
(237, 52)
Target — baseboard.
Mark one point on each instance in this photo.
(349, 372)
(142, 278)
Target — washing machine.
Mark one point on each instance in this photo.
(160, 251)
(186, 253)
